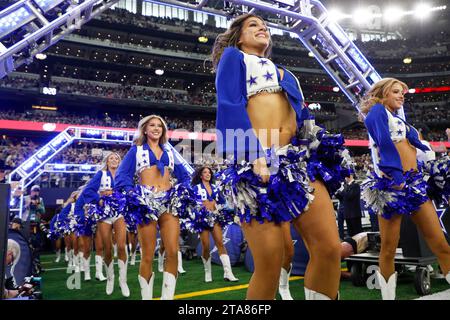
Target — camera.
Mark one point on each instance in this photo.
(31, 288)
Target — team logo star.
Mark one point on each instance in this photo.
(252, 81)
(399, 132)
(263, 62)
(268, 76)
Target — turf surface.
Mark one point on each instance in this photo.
(191, 285)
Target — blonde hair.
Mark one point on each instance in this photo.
(106, 157)
(231, 38)
(377, 93)
(141, 137)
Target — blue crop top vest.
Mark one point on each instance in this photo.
(140, 157)
(384, 129)
(240, 75)
(201, 193)
(102, 181)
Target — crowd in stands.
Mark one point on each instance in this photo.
(103, 120)
(432, 45)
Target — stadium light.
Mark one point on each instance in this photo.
(407, 60)
(159, 72)
(422, 11)
(203, 39)
(41, 56)
(11, 21)
(335, 89)
(393, 14)
(310, 54)
(412, 90)
(360, 16)
(336, 15)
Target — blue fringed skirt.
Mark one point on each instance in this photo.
(113, 207)
(69, 225)
(380, 196)
(145, 204)
(85, 227)
(56, 230)
(203, 219)
(288, 192)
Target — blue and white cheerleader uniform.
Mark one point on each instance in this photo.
(68, 219)
(145, 203)
(55, 228)
(112, 207)
(379, 192)
(312, 153)
(204, 219)
(85, 226)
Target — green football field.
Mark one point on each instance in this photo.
(191, 285)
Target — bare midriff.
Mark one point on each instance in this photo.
(152, 177)
(408, 155)
(106, 193)
(210, 205)
(272, 117)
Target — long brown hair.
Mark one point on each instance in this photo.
(377, 93)
(231, 38)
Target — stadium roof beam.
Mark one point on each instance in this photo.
(43, 28)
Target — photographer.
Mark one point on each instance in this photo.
(34, 209)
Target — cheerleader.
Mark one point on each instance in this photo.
(86, 228)
(207, 220)
(283, 167)
(397, 187)
(153, 201)
(107, 212)
(55, 234)
(68, 227)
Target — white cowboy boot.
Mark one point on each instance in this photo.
(227, 272)
(387, 288)
(87, 268)
(70, 263)
(283, 287)
(110, 278)
(313, 295)
(447, 277)
(133, 259)
(58, 255)
(207, 266)
(123, 278)
(99, 268)
(80, 261)
(66, 255)
(168, 286)
(161, 261)
(76, 262)
(146, 287)
(180, 263)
